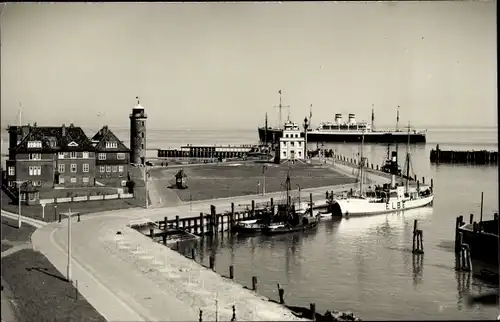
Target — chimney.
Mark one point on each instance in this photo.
(34, 124)
(63, 130)
(71, 125)
(105, 128)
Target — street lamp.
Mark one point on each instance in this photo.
(264, 168)
(19, 184)
(69, 214)
(299, 195)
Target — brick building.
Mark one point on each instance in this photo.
(112, 158)
(48, 157)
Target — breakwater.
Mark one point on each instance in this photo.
(482, 157)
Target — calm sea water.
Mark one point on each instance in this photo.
(364, 264)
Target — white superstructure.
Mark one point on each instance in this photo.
(292, 145)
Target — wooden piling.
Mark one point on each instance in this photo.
(165, 221)
(312, 307)
(189, 226)
(184, 224)
(415, 179)
(151, 232)
(377, 167)
(471, 218)
(474, 227)
(254, 283)
(233, 318)
(78, 214)
(201, 316)
(281, 293)
(193, 253)
(253, 208)
(59, 217)
(231, 216)
(202, 224)
(211, 261)
(272, 206)
(311, 202)
(432, 184)
(195, 226)
(421, 235)
(457, 239)
(212, 218)
(423, 180)
(164, 238)
(177, 222)
(231, 271)
(415, 223)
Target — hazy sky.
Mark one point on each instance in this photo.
(220, 65)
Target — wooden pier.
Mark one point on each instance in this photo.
(482, 157)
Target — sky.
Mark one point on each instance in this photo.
(221, 65)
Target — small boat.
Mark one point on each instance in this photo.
(252, 226)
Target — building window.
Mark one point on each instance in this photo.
(111, 145)
(115, 168)
(12, 171)
(120, 156)
(120, 168)
(284, 144)
(102, 169)
(61, 155)
(296, 135)
(108, 168)
(61, 168)
(142, 146)
(73, 155)
(142, 123)
(85, 155)
(73, 167)
(12, 184)
(86, 167)
(35, 156)
(73, 180)
(286, 135)
(85, 179)
(300, 153)
(102, 156)
(142, 135)
(284, 153)
(35, 170)
(23, 196)
(36, 183)
(61, 180)
(292, 143)
(300, 143)
(34, 144)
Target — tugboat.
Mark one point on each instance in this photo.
(292, 219)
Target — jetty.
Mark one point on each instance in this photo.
(473, 157)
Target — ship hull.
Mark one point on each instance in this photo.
(273, 136)
(362, 207)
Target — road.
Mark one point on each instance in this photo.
(128, 277)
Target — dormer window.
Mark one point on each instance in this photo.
(73, 155)
(111, 145)
(34, 144)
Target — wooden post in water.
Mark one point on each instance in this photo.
(202, 224)
(415, 223)
(432, 184)
(481, 215)
(177, 222)
(212, 218)
(272, 206)
(151, 232)
(312, 307)
(471, 218)
(231, 271)
(201, 316)
(421, 238)
(164, 237)
(311, 202)
(423, 180)
(165, 220)
(457, 241)
(193, 254)
(233, 318)
(253, 208)
(231, 218)
(195, 228)
(221, 220)
(254, 283)
(211, 262)
(281, 293)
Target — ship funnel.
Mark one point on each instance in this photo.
(338, 119)
(352, 119)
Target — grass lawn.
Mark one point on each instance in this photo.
(84, 207)
(11, 233)
(41, 293)
(225, 180)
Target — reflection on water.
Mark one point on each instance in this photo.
(364, 265)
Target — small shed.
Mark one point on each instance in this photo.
(180, 179)
(30, 194)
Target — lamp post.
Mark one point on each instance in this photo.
(299, 194)
(19, 184)
(264, 168)
(68, 272)
(258, 187)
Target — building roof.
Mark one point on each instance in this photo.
(106, 135)
(56, 139)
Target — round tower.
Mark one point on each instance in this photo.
(138, 134)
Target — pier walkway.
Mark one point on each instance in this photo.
(129, 277)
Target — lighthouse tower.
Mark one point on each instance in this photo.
(138, 134)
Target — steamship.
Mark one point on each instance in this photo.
(341, 131)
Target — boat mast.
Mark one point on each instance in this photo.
(361, 164)
(408, 159)
(397, 129)
(280, 107)
(265, 131)
(373, 117)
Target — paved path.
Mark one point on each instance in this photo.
(129, 277)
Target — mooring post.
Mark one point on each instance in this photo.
(471, 218)
(253, 208)
(415, 223)
(432, 184)
(195, 226)
(272, 206)
(201, 316)
(212, 219)
(76, 290)
(377, 167)
(78, 214)
(165, 220)
(254, 283)
(164, 237)
(421, 238)
(59, 217)
(231, 216)
(178, 245)
(495, 216)
(423, 180)
(211, 261)
(281, 293)
(177, 222)
(202, 224)
(193, 253)
(474, 227)
(231, 271)
(233, 318)
(311, 202)
(216, 224)
(312, 307)
(151, 232)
